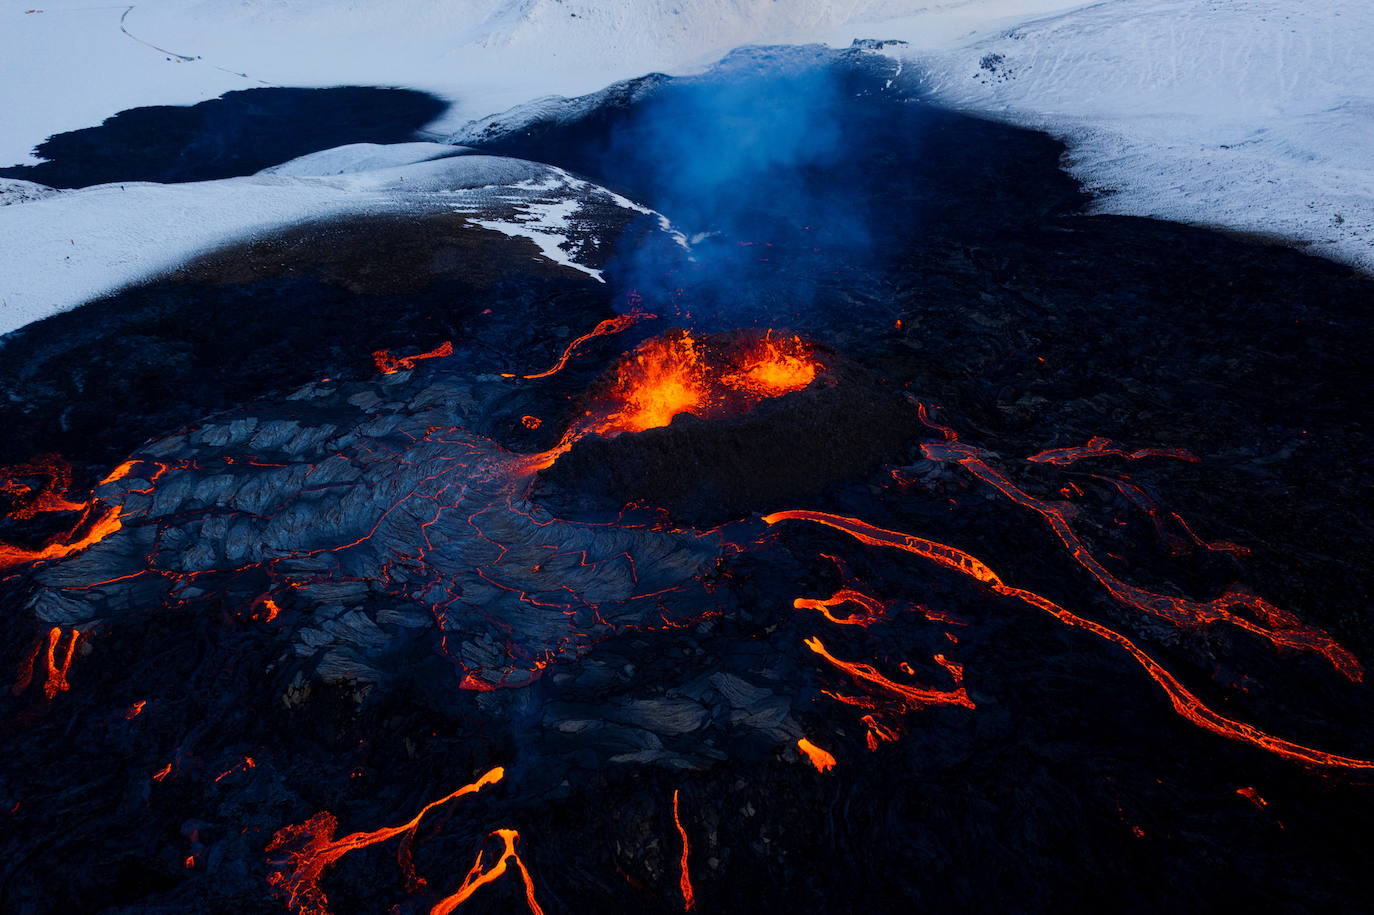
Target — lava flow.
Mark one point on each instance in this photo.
(1184, 702)
(609, 326)
(479, 877)
(103, 526)
(689, 896)
(1279, 626)
(30, 498)
(58, 666)
(1102, 447)
(388, 364)
(823, 760)
(308, 848)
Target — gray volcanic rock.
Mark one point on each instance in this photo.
(361, 517)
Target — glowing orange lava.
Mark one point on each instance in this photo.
(49, 496)
(912, 697)
(104, 526)
(689, 896)
(775, 366)
(478, 877)
(388, 364)
(822, 760)
(1278, 626)
(872, 609)
(1184, 702)
(309, 848)
(663, 377)
(681, 373)
(609, 326)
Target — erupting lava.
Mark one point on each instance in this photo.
(679, 372)
(775, 366)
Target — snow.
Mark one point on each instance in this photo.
(76, 63)
(1253, 115)
(67, 248)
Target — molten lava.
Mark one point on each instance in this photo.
(609, 326)
(689, 897)
(388, 364)
(1279, 626)
(911, 697)
(1184, 702)
(309, 848)
(679, 372)
(58, 665)
(821, 759)
(479, 877)
(775, 366)
(1103, 447)
(104, 526)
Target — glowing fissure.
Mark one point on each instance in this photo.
(1184, 702)
(307, 849)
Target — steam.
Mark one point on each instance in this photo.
(756, 168)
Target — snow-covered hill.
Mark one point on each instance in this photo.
(1254, 115)
(72, 246)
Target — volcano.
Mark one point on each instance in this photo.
(760, 488)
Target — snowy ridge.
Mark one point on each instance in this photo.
(1253, 115)
(74, 246)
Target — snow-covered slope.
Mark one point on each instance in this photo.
(1256, 115)
(70, 247)
(76, 63)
